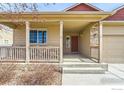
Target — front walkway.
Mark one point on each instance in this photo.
(114, 76)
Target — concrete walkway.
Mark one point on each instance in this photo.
(115, 76)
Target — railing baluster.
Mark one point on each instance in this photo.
(10, 53)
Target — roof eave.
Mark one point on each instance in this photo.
(69, 12)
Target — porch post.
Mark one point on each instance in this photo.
(100, 41)
(27, 40)
(61, 41)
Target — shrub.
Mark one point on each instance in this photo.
(42, 75)
(30, 74)
(7, 72)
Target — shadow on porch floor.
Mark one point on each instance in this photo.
(76, 58)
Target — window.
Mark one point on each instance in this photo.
(38, 36)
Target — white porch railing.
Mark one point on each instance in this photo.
(35, 53)
(44, 54)
(12, 53)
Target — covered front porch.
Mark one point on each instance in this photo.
(81, 41)
(63, 42)
(50, 33)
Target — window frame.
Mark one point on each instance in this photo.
(39, 29)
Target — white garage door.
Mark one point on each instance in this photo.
(113, 48)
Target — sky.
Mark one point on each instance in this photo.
(62, 6)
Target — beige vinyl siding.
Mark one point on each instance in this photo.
(84, 42)
(19, 38)
(94, 52)
(113, 44)
(52, 34)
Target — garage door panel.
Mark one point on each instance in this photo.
(113, 60)
(113, 49)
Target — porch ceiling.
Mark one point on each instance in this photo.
(68, 25)
(74, 25)
(13, 25)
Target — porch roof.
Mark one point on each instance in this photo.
(92, 16)
(71, 15)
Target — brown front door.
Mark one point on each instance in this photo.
(74, 43)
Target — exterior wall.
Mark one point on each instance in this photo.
(113, 44)
(19, 37)
(94, 52)
(94, 41)
(52, 34)
(82, 7)
(119, 15)
(68, 50)
(84, 40)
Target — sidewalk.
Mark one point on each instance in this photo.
(114, 76)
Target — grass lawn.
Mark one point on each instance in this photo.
(30, 74)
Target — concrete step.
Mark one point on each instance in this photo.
(96, 70)
(86, 65)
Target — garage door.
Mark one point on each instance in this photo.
(113, 48)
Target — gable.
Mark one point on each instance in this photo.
(83, 7)
(118, 15)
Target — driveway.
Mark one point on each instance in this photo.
(114, 76)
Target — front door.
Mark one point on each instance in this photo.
(74, 43)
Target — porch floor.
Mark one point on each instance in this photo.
(78, 64)
(76, 58)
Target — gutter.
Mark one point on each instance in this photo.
(54, 13)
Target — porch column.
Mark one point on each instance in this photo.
(100, 41)
(27, 40)
(61, 41)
